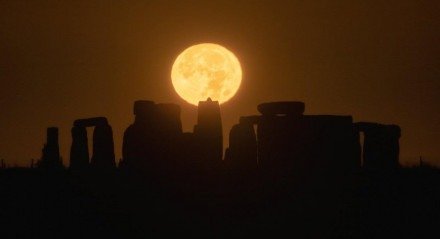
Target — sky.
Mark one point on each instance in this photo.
(378, 61)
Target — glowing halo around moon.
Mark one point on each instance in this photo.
(206, 70)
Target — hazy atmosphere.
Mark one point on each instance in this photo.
(65, 60)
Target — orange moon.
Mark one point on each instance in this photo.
(206, 70)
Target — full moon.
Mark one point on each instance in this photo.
(206, 70)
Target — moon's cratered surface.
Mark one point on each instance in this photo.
(206, 70)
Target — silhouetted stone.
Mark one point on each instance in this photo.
(356, 149)
(90, 122)
(198, 157)
(168, 119)
(381, 145)
(242, 151)
(334, 142)
(143, 109)
(282, 107)
(189, 159)
(209, 132)
(103, 148)
(138, 144)
(168, 135)
(227, 158)
(319, 142)
(79, 151)
(51, 152)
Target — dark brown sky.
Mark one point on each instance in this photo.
(61, 60)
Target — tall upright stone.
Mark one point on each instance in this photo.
(277, 128)
(189, 160)
(138, 141)
(79, 151)
(51, 151)
(168, 119)
(242, 151)
(381, 145)
(168, 136)
(209, 132)
(103, 147)
(333, 143)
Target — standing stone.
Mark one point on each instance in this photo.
(189, 160)
(289, 140)
(279, 135)
(138, 145)
(333, 143)
(381, 145)
(168, 119)
(103, 147)
(51, 151)
(242, 151)
(79, 151)
(168, 136)
(209, 132)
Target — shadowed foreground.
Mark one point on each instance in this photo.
(284, 172)
(367, 204)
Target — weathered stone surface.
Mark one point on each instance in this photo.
(292, 108)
